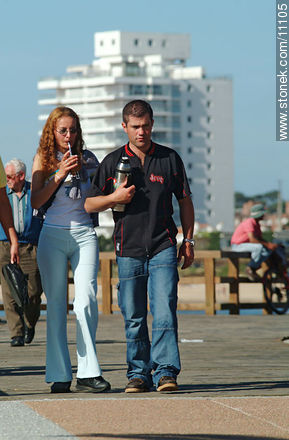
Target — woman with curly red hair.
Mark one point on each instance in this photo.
(60, 182)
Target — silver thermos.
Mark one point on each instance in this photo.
(122, 171)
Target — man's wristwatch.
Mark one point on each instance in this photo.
(189, 240)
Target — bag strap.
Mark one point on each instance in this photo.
(52, 197)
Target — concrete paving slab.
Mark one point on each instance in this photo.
(233, 385)
(239, 356)
(18, 421)
(177, 418)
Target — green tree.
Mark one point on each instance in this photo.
(269, 199)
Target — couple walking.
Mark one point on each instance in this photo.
(145, 244)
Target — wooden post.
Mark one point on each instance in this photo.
(266, 309)
(209, 265)
(233, 271)
(106, 286)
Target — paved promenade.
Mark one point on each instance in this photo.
(233, 386)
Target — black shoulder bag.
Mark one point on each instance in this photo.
(17, 282)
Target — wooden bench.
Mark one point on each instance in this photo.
(234, 279)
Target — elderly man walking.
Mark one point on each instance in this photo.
(21, 326)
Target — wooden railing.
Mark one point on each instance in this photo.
(209, 279)
(107, 281)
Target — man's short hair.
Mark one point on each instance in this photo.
(18, 165)
(136, 108)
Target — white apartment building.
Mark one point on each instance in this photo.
(193, 114)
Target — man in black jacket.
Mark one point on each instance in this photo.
(145, 244)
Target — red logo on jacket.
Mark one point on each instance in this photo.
(154, 178)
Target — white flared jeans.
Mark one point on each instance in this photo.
(56, 247)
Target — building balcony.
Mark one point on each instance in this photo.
(48, 101)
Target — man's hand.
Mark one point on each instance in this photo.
(123, 194)
(6, 219)
(187, 251)
(14, 253)
(271, 246)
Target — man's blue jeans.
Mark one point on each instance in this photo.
(157, 276)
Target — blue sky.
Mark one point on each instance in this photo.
(228, 38)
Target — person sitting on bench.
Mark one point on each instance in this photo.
(248, 238)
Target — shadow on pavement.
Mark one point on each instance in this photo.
(110, 341)
(175, 437)
(236, 386)
(23, 371)
(2, 393)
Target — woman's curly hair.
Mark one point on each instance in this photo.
(47, 146)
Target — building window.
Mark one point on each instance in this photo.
(209, 134)
(176, 107)
(189, 87)
(150, 42)
(209, 150)
(190, 166)
(209, 212)
(136, 42)
(209, 104)
(189, 150)
(189, 103)
(209, 119)
(160, 120)
(209, 88)
(101, 43)
(137, 89)
(176, 91)
(190, 182)
(189, 119)
(113, 42)
(176, 137)
(157, 89)
(132, 69)
(189, 134)
(160, 137)
(176, 122)
(209, 181)
(209, 166)
(209, 197)
(164, 43)
(160, 106)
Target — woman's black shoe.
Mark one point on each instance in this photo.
(61, 387)
(92, 385)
